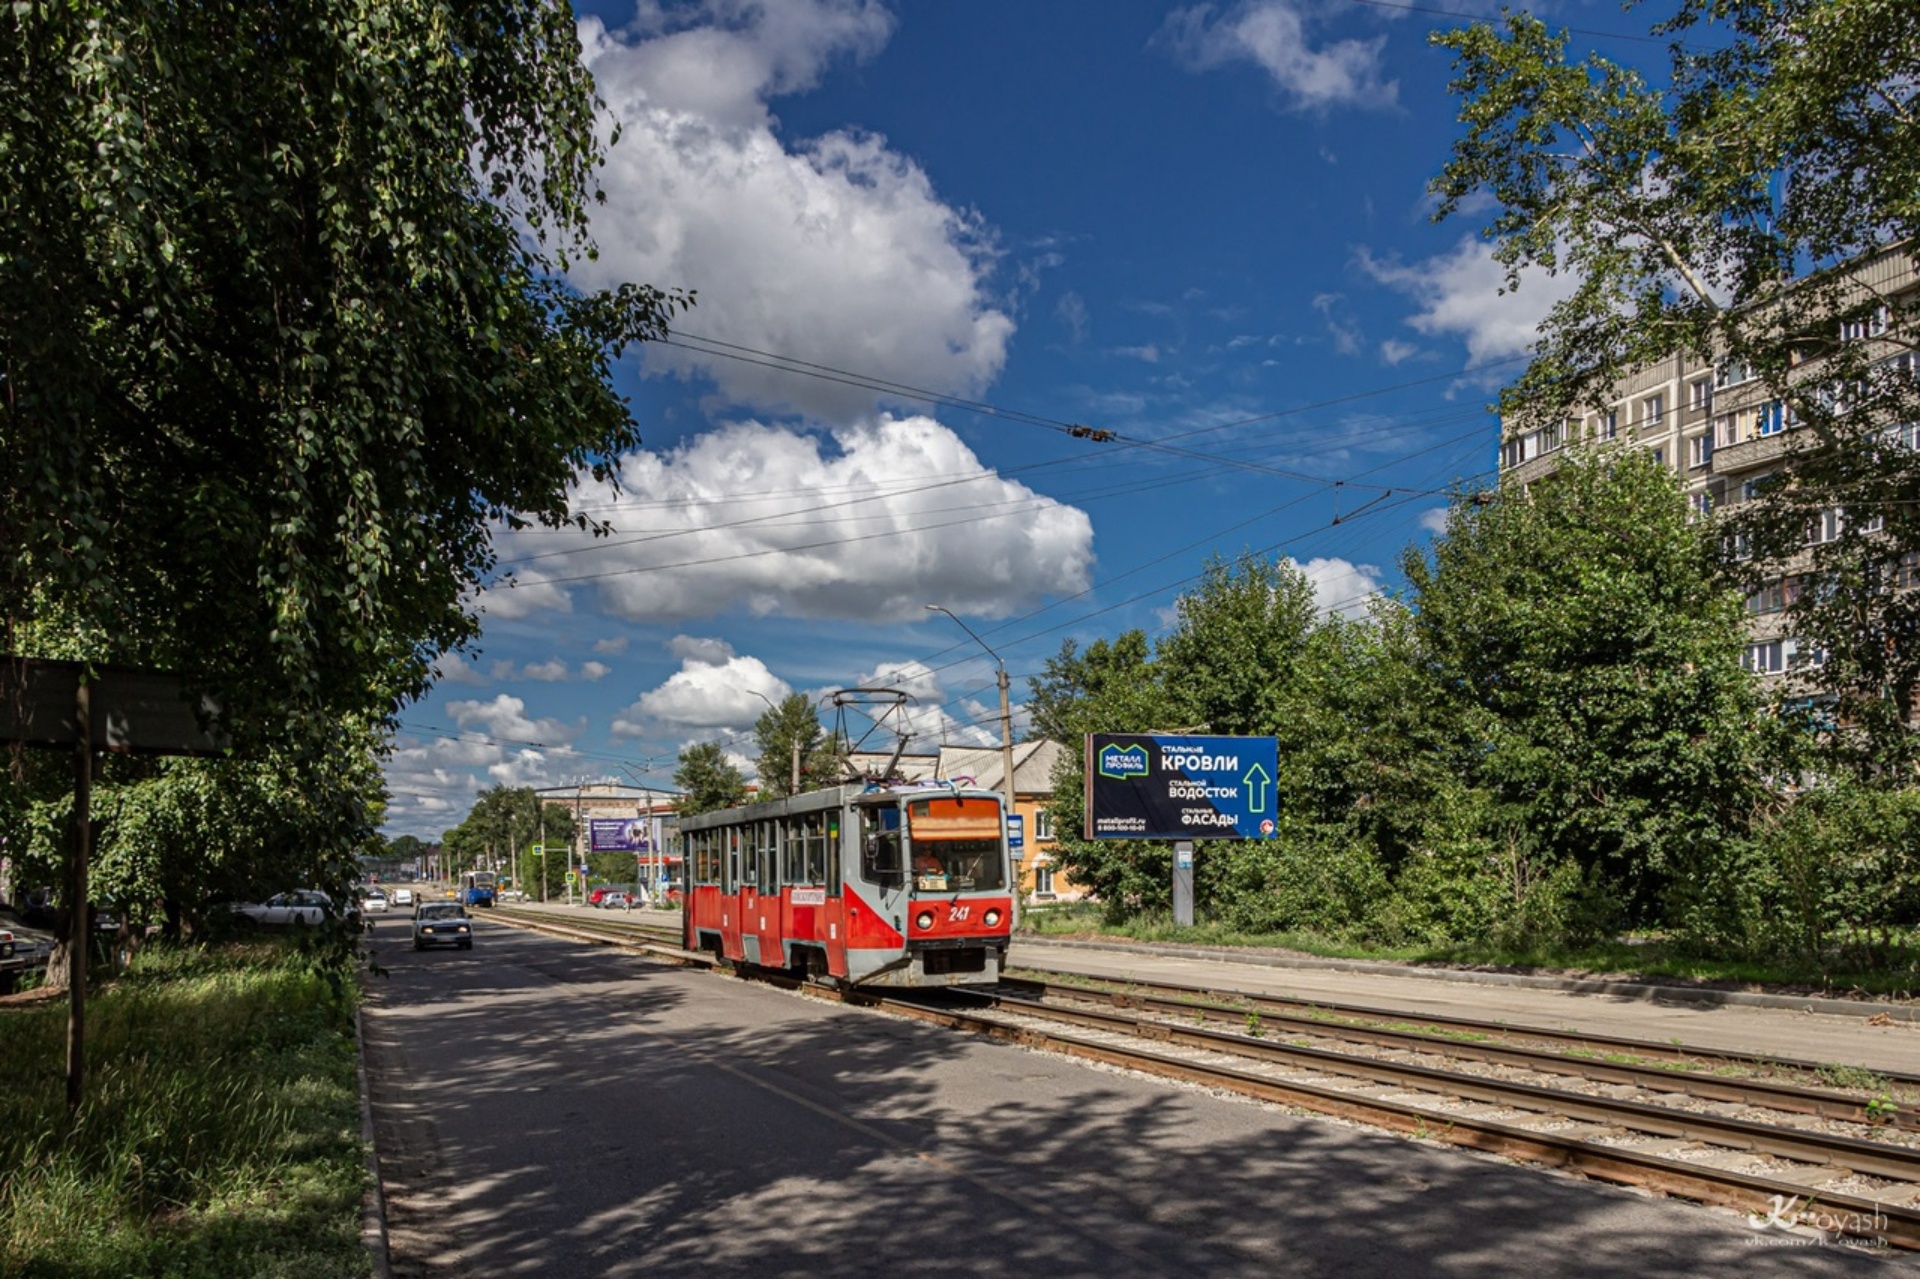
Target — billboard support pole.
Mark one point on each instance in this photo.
(1183, 883)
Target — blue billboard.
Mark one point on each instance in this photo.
(1156, 786)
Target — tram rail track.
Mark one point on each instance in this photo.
(1655, 1067)
(1615, 1139)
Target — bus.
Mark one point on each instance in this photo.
(477, 888)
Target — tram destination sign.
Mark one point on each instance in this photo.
(1151, 786)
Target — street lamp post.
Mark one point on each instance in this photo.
(1006, 714)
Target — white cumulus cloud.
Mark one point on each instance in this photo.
(1460, 296)
(836, 249)
(861, 525)
(432, 782)
(1341, 587)
(506, 718)
(1273, 35)
(714, 688)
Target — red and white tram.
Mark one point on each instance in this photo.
(869, 885)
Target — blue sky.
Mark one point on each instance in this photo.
(1203, 229)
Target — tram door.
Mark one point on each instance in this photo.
(732, 891)
(752, 882)
(883, 866)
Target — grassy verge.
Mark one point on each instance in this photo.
(220, 1134)
(1645, 958)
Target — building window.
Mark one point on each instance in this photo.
(1773, 418)
(1660, 457)
(1764, 658)
(1652, 410)
(1731, 373)
(1726, 430)
(1906, 574)
(1768, 599)
(1754, 488)
(1801, 655)
(1871, 325)
(1610, 424)
(1825, 527)
(1043, 824)
(1043, 880)
(1700, 450)
(1700, 395)
(1700, 504)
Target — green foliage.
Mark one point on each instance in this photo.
(1783, 142)
(218, 1136)
(171, 836)
(276, 342)
(789, 727)
(1838, 875)
(707, 780)
(1550, 740)
(502, 827)
(1598, 662)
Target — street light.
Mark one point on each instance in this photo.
(1006, 714)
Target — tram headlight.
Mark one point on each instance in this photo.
(923, 921)
(991, 919)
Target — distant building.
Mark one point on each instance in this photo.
(1725, 432)
(906, 768)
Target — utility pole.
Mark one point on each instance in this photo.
(1006, 712)
(1007, 734)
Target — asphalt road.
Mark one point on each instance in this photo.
(544, 1108)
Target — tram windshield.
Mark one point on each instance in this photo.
(956, 844)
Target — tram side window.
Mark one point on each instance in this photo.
(768, 863)
(730, 859)
(813, 836)
(880, 846)
(793, 852)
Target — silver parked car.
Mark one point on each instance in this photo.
(442, 924)
(303, 907)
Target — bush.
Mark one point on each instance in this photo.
(1838, 874)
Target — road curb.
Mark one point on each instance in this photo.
(373, 1204)
(1651, 993)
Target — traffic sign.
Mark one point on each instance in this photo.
(570, 877)
(1148, 786)
(1016, 831)
(538, 850)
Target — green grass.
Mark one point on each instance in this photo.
(1647, 958)
(219, 1135)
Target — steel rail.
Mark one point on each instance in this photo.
(1652, 1049)
(1791, 1098)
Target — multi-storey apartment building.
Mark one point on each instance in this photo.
(1726, 432)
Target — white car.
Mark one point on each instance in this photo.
(304, 907)
(402, 897)
(373, 901)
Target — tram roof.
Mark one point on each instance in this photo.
(833, 797)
